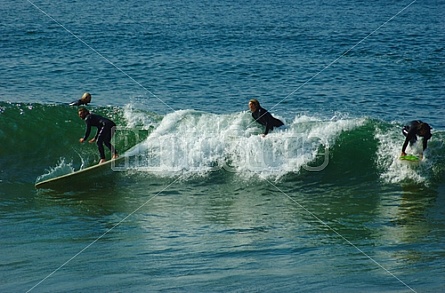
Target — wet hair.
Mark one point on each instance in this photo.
(424, 129)
(83, 110)
(255, 102)
(86, 97)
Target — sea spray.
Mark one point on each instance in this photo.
(60, 169)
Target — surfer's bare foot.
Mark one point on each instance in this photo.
(115, 156)
(102, 161)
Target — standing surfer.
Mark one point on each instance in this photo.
(105, 130)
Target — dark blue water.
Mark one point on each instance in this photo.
(205, 204)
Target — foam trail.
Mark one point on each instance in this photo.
(60, 169)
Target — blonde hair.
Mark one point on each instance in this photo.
(86, 97)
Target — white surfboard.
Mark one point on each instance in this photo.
(80, 175)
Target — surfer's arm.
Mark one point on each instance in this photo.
(76, 103)
(425, 143)
(409, 136)
(88, 131)
(405, 144)
(91, 140)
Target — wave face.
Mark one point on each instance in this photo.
(41, 141)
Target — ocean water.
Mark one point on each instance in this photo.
(203, 203)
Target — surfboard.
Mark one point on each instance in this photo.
(81, 176)
(410, 158)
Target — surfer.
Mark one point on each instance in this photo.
(412, 130)
(84, 100)
(105, 130)
(263, 117)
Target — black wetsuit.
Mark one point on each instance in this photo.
(265, 118)
(78, 103)
(411, 133)
(105, 130)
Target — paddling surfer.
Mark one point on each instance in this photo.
(263, 117)
(412, 130)
(84, 100)
(105, 130)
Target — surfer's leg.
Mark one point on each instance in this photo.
(107, 141)
(105, 138)
(111, 148)
(100, 147)
(405, 131)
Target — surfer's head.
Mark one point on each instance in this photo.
(424, 130)
(86, 98)
(83, 112)
(254, 105)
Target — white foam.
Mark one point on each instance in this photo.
(191, 143)
(60, 169)
(136, 118)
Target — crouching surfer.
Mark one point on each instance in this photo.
(412, 130)
(105, 131)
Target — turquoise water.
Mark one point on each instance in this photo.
(204, 204)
